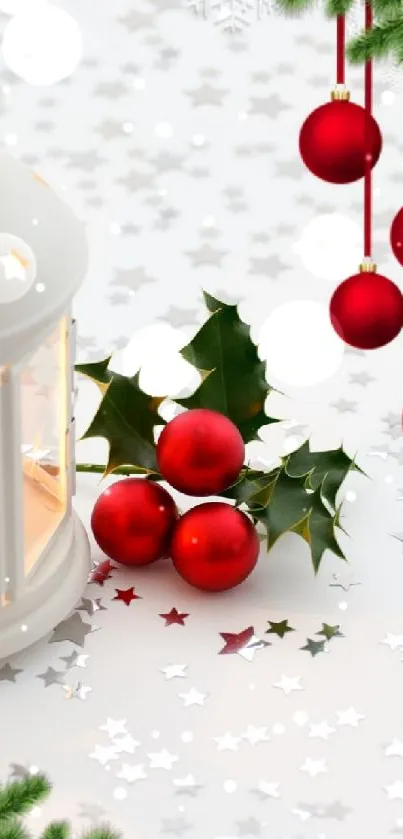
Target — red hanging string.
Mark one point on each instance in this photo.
(341, 49)
(368, 167)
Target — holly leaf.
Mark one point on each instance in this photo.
(126, 418)
(327, 469)
(249, 484)
(287, 505)
(234, 381)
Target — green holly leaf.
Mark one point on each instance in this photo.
(126, 418)
(249, 483)
(233, 375)
(287, 505)
(328, 469)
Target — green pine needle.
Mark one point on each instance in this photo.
(18, 797)
(56, 830)
(334, 8)
(293, 8)
(377, 43)
(388, 9)
(102, 832)
(12, 829)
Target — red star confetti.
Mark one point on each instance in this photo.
(243, 643)
(101, 572)
(126, 595)
(174, 617)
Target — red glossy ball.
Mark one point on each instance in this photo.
(333, 142)
(200, 452)
(366, 310)
(214, 546)
(132, 521)
(396, 236)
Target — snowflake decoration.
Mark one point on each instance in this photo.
(231, 15)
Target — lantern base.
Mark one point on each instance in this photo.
(51, 594)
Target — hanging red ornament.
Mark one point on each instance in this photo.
(132, 521)
(366, 310)
(214, 546)
(200, 452)
(396, 236)
(333, 140)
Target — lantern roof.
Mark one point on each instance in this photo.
(43, 258)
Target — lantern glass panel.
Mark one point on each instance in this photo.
(43, 382)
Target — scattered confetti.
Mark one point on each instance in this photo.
(174, 671)
(91, 606)
(114, 727)
(314, 647)
(193, 697)
(349, 717)
(244, 643)
(9, 673)
(73, 629)
(287, 685)
(174, 617)
(330, 631)
(126, 595)
(281, 628)
(101, 573)
(79, 692)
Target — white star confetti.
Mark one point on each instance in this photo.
(255, 735)
(395, 749)
(321, 730)
(395, 791)
(267, 790)
(349, 717)
(394, 642)
(162, 760)
(193, 697)
(114, 727)
(313, 767)
(227, 742)
(79, 692)
(103, 754)
(174, 671)
(132, 773)
(126, 744)
(287, 684)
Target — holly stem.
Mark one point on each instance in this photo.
(99, 469)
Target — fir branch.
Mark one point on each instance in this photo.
(56, 830)
(12, 829)
(18, 797)
(387, 9)
(381, 41)
(102, 832)
(334, 8)
(294, 8)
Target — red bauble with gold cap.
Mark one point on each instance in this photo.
(366, 310)
(335, 139)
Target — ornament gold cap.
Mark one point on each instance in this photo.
(368, 267)
(340, 94)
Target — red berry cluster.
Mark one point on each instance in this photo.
(213, 546)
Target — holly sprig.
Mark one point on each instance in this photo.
(298, 495)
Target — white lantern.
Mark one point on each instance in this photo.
(44, 550)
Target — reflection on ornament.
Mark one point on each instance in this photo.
(299, 344)
(42, 44)
(17, 268)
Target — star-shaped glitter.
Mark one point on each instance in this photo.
(193, 697)
(313, 767)
(80, 691)
(101, 572)
(72, 629)
(254, 735)
(395, 791)
(174, 617)
(314, 647)
(9, 673)
(227, 742)
(187, 786)
(173, 671)
(74, 660)
(125, 743)
(243, 643)
(349, 717)
(321, 730)
(103, 754)
(114, 727)
(394, 642)
(162, 760)
(51, 677)
(265, 790)
(288, 684)
(132, 773)
(395, 749)
(126, 595)
(90, 606)
(279, 628)
(330, 632)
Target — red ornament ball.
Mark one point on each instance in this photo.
(132, 521)
(333, 142)
(214, 546)
(366, 310)
(200, 452)
(396, 236)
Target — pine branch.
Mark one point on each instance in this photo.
(102, 832)
(18, 797)
(12, 829)
(294, 8)
(56, 830)
(387, 9)
(379, 42)
(334, 8)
